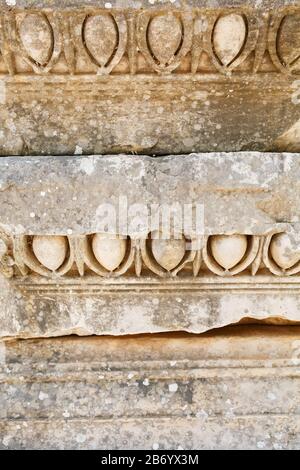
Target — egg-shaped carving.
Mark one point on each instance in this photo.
(37, 37)
(109, 250)
(283, 251)
(101, 37)
(229, 37)
(228, 250)
(288, 39)
(168, 252)
(51, 251)
(164, 36)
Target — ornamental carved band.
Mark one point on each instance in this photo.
(150, 190)
(107, 256)
(193, 41)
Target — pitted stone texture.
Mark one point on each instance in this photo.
(248, 193)
(86, 77)
(43, 308)
(244, 193)
(146, 115)
(235, 389)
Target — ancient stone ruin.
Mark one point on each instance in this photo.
(149, 224)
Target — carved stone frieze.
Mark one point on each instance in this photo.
(193, 76)
(142, 191)
(106, 255)
(134, 41)
(65, 273)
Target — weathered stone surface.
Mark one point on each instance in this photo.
(250, 193)
(282, 251)
(170, 252)
(45, 308)
(137, 4)
(109, 251)
(50, 251)
(242, 262)
(229, 250)
(233, 389)
(87, 77)
(155, 78)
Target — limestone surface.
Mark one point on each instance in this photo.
(244, 193)
(236, 389)
(98, 241)
(64, 273)
(160, 77)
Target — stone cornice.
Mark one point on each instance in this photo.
(173, 389)
(111, 257)
(202, 76)
(192, 40)
(39, 307)
(62, 272)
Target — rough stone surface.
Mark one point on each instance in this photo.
(192, 76)
(137, 4)
(249, 192)
(85, 307)
(236, 389)
(243, 263)
(84, 78)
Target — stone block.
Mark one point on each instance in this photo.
(233, 389)
(64, 274)
(192, 76)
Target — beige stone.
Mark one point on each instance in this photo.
(260, 195)
(228, 269)
(229, 36)
(50, 251)
(228, 250)
(36, 37)
(96, 77)
(109, 251)
(284, 253)
(168, 252)
(233, 389)
(112, 116)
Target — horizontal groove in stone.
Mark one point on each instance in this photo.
(237, 377)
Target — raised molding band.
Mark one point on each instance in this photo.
(192, 76)
(240, 379)
(112, 256)
(129, 41)
(62, 273)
